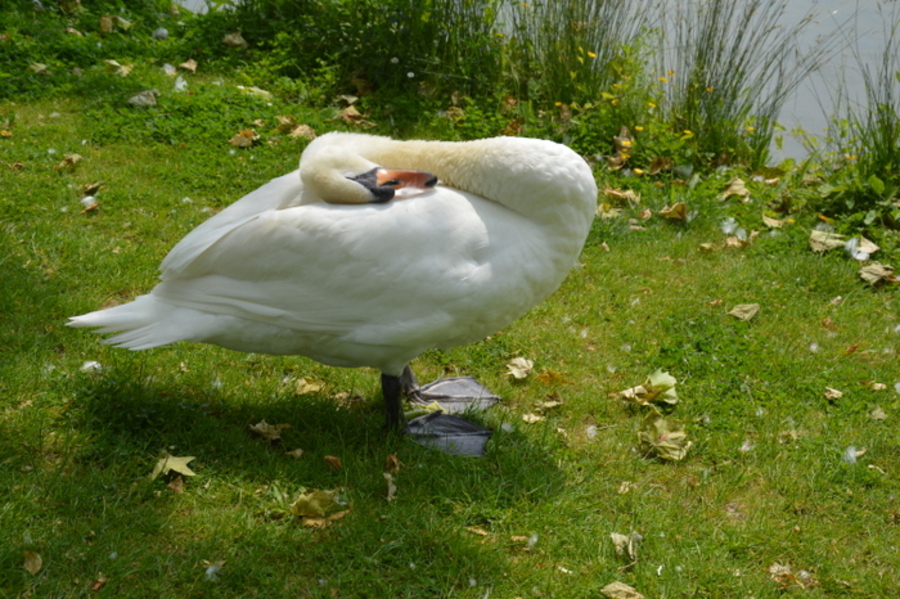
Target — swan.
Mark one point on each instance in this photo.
(372, 252)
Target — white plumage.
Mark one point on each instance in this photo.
(288, 270)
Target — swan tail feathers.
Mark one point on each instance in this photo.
(141, 324)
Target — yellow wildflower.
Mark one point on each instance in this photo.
(638, 128)
(651, 104)
(664, 80)
(592, 55)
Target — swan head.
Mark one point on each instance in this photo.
(340, 177)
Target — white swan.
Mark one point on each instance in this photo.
(331, 262)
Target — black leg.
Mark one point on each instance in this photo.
(391, 388)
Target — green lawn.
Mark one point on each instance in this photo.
(766, 481)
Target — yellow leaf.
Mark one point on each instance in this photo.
(189, 65)
(307, 385)
(772, 223)
(122, 70)
(169, 463)
(659, 387)
(736, 187)
(33, 562)
(270, 432)
(676, 211)
(69, 162)
(744, 311)
(620, 590)
(235, 40)
(823, 241)
(334, 462)
(663, 438)
(318, 504)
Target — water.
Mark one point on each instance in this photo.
(862, 33)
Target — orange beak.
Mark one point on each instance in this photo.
(405, 183)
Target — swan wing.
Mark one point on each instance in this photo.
(277, 194)
(412, 273)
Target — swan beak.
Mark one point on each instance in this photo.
(405, 183)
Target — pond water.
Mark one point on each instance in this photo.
(860, 26)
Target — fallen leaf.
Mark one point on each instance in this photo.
(784, 575)
(823, 241)
(546, 406)
(306, 385)
(626, 486)
(676, 211)
(519, 367)
(477, 530)
(832, 393)
(99, 583)
(627, 196)
(744, 311)
(626, 545)
(286, 123)
(122, 23)
(69, 162)
(235, 40)
(878, 414)
(606, 212)
(244, 138)
(551, 377)
(270, 432)
(90, 189)
(255, 91)
(663, 438)
(867, 246)
(532, 418)
(391, 486)
(392, 463)
(736, 187)
(620, 590)
(334, 462)
(106, 24)
(33, 562)
(660, 164)
(624, 145)
(645, 214)
(169, 463)
(177, 485)
(189, 65)
(772, 223)
(659, 387)
(90, 204)
(121, 70)
(295, 453)
(144, 98)
(876, 273)
(39, 68)
(708, 247)
(304, 131)
(317, 504)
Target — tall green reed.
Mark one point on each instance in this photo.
(732, 66)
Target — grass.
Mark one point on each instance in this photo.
(76, 448)
(766, 481)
